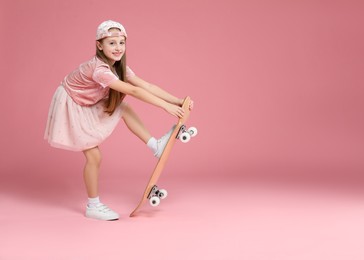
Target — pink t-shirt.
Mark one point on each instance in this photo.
(89, 83)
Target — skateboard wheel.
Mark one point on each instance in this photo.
(154, 201)
(185, 137)
(162, 194)
(192, 131)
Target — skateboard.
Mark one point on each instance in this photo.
(152, 192)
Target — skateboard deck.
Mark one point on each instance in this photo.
(152, 192)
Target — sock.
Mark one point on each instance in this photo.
(152, 144)
(93, 202)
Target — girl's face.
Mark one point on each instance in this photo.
(113, 47)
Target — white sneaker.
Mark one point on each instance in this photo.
(162, 142)
(101, 212)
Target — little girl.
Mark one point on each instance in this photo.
(88, 105)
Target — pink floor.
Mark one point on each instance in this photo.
(253, 216)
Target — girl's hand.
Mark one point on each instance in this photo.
(191, 105)
(180, 103)
(174, 110)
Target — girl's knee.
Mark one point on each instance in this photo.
(93, 156)
(126, 109)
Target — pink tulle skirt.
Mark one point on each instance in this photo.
(78, 128)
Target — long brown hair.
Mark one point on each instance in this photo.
(119, 67)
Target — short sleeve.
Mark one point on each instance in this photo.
(129, 72)
(104, 76)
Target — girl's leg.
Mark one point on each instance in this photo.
(91, 171)
(135, 125)
(95, 209)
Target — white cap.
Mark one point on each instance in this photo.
(104, 27)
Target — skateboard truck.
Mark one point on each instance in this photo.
(182, 129)
(185, 134)
(155, 195)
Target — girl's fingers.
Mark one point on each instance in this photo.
(180, 113)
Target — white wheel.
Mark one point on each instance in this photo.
(185, 137)
(163, 194)
(154, 201)
(192, 131)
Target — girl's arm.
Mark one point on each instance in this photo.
(143, 95)
(155, 90)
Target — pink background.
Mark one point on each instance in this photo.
(276, 171)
